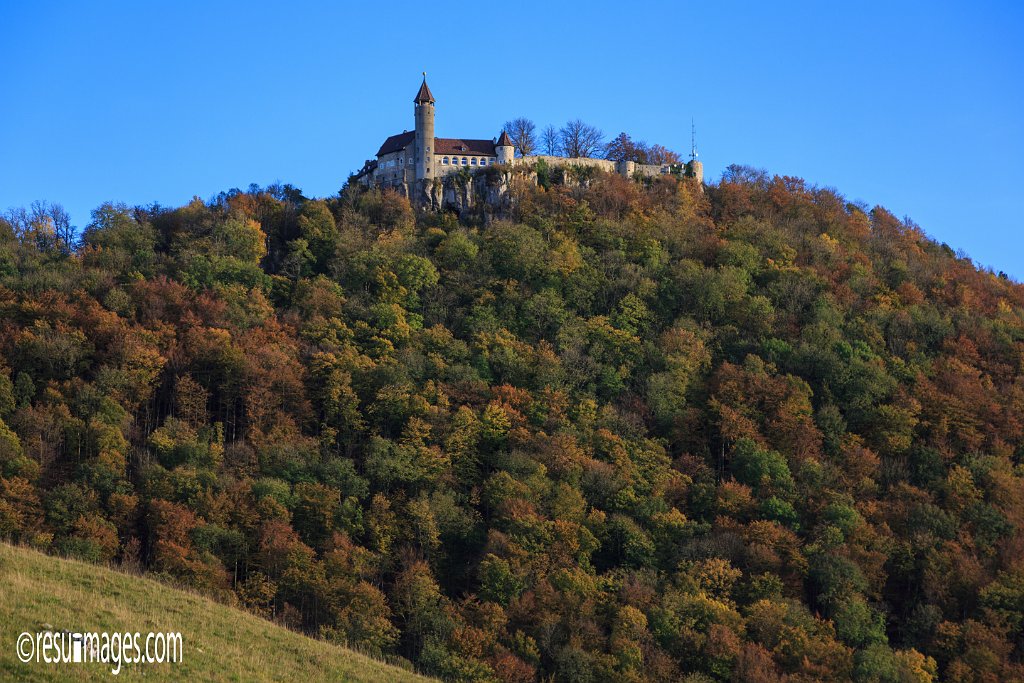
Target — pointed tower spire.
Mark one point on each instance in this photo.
(423, 109)
(424, 95)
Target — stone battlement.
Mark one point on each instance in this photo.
(625, 168)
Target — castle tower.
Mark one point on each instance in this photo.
(424, 110)
(504, 149)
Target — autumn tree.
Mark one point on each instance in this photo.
(624, 148)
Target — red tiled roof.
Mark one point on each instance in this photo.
(504, 140)
(399, 142)
(424, 95)
(396, 142)
(456, 146)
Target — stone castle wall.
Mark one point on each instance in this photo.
(603, 164)
(626, 168)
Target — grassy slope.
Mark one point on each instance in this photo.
(221, 643)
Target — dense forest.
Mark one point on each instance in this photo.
(627, 431)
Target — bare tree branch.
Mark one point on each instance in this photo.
(580, 139)
(52, 219)
(522, 131)
(551, 141)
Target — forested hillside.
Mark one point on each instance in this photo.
(629, 432)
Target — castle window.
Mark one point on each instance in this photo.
(473, 161)
(444, 161)
(465, 162)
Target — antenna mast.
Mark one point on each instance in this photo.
(693, 140)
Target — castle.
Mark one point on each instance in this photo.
(413, 160)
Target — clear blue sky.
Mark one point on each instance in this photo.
(917, 106)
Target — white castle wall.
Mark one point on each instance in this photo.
(626, 168)
(603, 164)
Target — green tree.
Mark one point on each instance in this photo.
(318, 229)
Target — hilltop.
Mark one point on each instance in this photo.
(616, 429)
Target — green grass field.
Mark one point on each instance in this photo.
(220, 643)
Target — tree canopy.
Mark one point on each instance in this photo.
(627, 430)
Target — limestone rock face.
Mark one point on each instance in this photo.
(490, 190)
(495, 190)
(458, 193)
